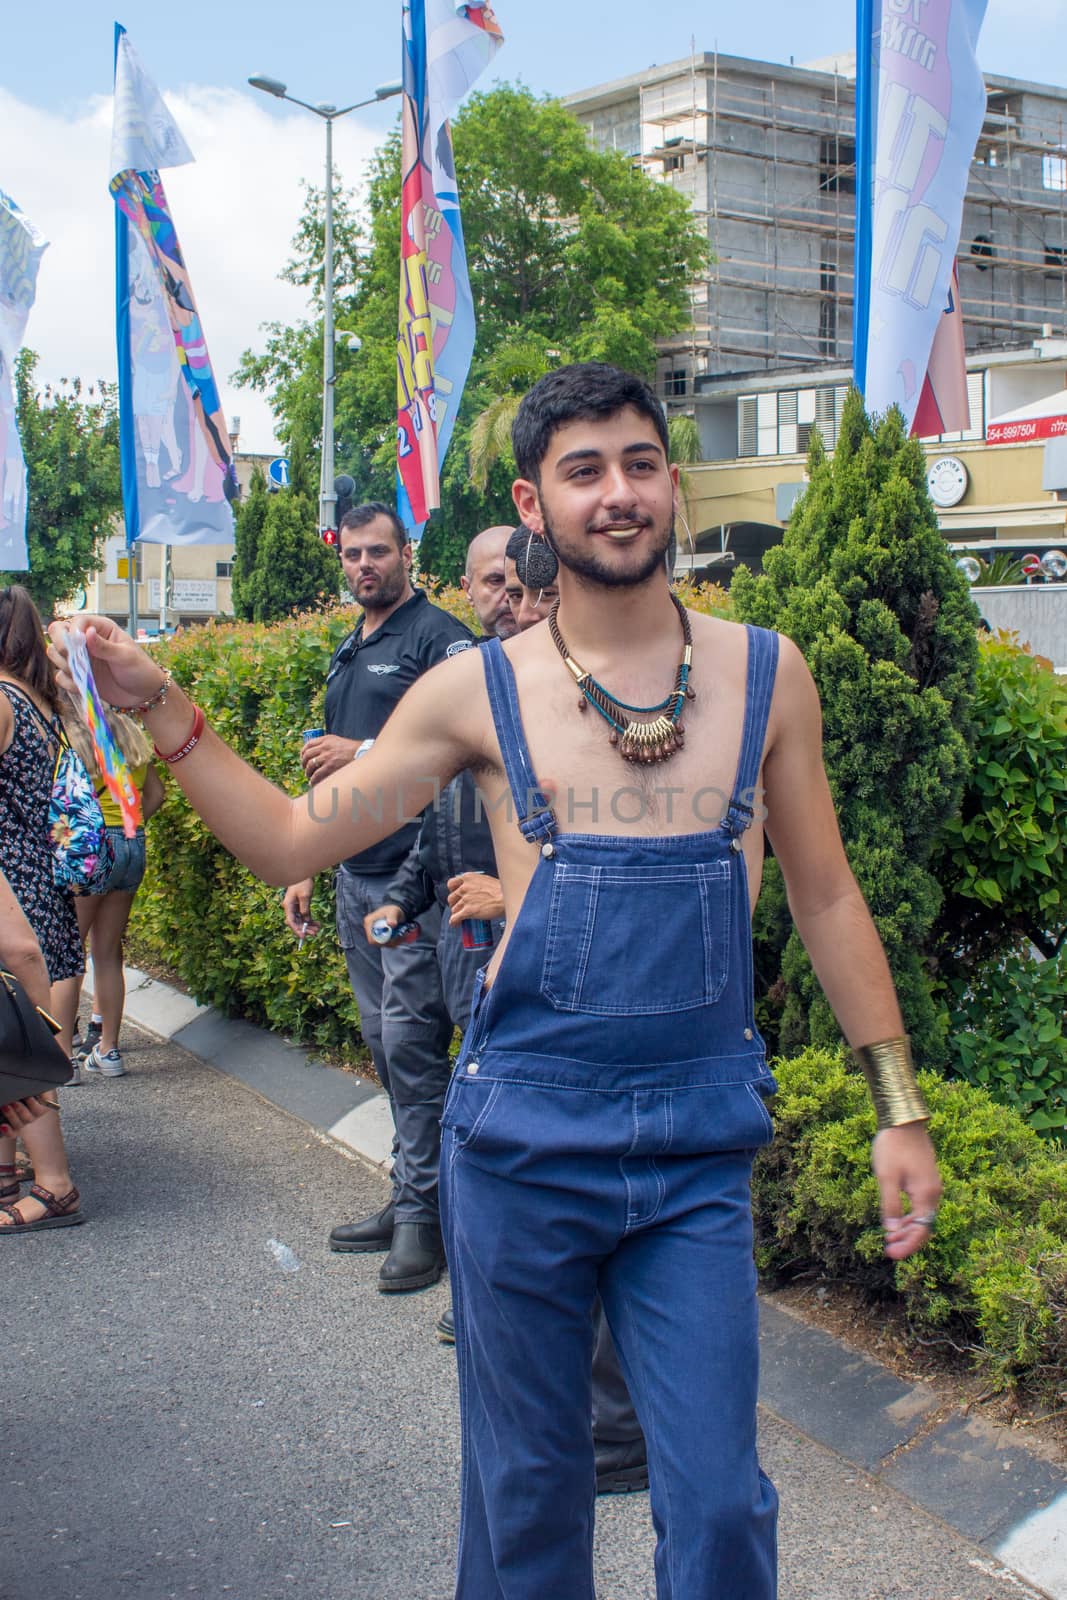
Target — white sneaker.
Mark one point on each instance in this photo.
(109, 1065)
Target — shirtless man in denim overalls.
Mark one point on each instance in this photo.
(610, 1095)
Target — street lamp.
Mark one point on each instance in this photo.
(328, 114)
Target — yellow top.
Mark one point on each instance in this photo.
(112, 814)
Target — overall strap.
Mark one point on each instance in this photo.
(759, 690)
(536, 819)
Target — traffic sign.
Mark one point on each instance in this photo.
(278, 473)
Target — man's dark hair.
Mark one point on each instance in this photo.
(359, 516)
(583, 392)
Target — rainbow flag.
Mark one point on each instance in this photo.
(920, 104)
(446, 48)
(178, 478)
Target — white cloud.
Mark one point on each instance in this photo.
(235, 211)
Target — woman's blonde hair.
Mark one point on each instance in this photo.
(129, 736)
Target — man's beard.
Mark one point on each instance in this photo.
(386, 592)
(587, 566)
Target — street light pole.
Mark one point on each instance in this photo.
(328, 114)
(327, 497)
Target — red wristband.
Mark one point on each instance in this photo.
(190, 743)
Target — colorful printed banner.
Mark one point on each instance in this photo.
(178, 477)
(920, 102)
(21, 249)
(446, 48)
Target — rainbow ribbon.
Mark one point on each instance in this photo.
(109, 758)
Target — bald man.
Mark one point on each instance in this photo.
(483, 582)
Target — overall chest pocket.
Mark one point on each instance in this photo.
(637, 941)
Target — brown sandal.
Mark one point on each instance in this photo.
(10, 1183)
(59, 1213)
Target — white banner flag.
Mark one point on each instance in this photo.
(21, 249)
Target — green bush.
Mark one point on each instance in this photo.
(864, 584)
(1002, 860)
(994, 1275)
(199, 911)
(1009, 1035)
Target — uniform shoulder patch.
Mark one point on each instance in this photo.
(457, 645)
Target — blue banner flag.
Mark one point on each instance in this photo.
(447, 45)
(21, 249)
(178, 478)
(920, 103)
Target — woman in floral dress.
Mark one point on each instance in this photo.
(29, 705)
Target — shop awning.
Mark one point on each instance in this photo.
(1041, 419)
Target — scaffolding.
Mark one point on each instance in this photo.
(766, 157)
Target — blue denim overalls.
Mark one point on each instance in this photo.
(599, 1134)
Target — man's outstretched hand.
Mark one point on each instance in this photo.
(125, 674)
(904, 1164)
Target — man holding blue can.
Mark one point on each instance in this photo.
(402, 1014)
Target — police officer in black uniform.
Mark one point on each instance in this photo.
(403, 1018)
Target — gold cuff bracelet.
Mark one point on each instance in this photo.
(890, 1075)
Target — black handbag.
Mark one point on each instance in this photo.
(30, 1059)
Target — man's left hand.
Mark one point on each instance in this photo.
(904, 1164)
(320, 758)
(475, 895)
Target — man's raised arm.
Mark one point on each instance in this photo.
(280, 838)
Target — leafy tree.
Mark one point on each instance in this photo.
(865, 585)
(249, 524)
(292, 569)
(70, 438)
(573, 254)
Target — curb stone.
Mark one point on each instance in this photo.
(973, 1475)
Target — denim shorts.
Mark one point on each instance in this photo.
(128, 870)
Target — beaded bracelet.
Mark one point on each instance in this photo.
(190, 743)
(158, 699)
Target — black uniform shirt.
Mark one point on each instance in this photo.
(368, 677)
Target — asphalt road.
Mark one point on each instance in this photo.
(202, 1400)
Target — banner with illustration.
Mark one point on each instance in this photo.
(446, 48)
(920, 103)
(21, 249)
(178, 477)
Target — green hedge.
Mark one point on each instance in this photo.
(993, 1277)
(199, 911)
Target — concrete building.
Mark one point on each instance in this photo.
(766, 156)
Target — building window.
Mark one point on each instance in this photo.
(982, 251)
(223, 569)
(673, 163)
(675, 383)
(779, 423)
(1054, 173)
(1056, 257)
(837, 166)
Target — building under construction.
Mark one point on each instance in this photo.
(766, 156)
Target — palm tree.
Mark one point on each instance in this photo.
(510, 371)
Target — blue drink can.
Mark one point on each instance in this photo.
(476, 933)
(313, 733)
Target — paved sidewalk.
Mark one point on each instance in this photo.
(204, 1326)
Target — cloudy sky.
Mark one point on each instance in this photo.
(237, 207)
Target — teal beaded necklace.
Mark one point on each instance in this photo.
(642, 742)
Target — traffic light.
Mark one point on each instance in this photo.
(329, 535)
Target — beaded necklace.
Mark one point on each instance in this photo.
(643, 742)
